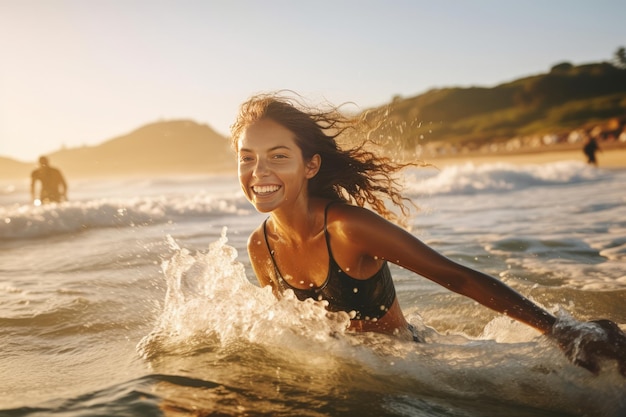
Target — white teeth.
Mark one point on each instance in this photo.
(265, 189)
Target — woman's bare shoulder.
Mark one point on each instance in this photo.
(356, 222)
(343, 210)
(259, 256)
(256, 239)
(349, 214)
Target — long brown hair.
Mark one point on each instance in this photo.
(354, 174)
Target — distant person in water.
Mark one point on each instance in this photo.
(320, 242)
(53, 187)
(590, 149)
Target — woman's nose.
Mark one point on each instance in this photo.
(260, 169)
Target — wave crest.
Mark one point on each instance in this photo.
(470, 179)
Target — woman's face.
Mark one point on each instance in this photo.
(272, 172)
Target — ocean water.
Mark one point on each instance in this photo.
(136, 298)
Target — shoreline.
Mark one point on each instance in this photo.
(610, 158)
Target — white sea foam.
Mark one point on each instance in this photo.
(471, 179)
(27, 221)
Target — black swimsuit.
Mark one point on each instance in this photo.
(362, 299)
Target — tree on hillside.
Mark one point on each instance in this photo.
(563, 67)
(620, 57)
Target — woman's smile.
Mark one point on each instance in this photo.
(263, 190)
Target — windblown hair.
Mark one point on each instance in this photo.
(354, 175)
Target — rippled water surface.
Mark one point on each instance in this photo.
(136, 298)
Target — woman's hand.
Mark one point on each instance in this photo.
(587, 343)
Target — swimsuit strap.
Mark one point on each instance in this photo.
(333, 262)
(269, 249)
(326, 234)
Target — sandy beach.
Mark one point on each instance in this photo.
(609, 157)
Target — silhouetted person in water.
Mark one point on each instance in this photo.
(590, 149)
(53, 185)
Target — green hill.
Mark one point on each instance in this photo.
(566, 98)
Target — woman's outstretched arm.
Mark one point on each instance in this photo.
(584, 343)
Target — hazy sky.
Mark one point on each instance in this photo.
(81, 72)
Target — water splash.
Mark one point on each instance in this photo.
(209, 301)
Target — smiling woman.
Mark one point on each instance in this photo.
(354, 174)
(270, 168)
(320, 242)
